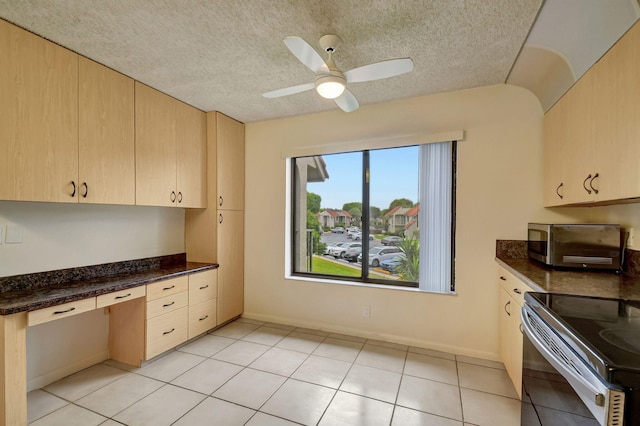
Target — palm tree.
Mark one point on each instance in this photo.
(409, 269)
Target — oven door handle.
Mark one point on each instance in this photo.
(595, 399)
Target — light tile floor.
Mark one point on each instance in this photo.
(261, 374)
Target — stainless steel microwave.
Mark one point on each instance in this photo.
(588, 246)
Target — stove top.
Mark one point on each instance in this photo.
(604, 332)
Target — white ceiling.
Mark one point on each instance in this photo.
(223, 54)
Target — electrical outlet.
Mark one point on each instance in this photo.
(631, 240)
(366, 311)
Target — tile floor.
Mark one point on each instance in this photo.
(261, 374)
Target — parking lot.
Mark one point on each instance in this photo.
(333, 238)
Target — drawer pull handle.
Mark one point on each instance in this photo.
(503, 278)
(203, 318)
(123, 297)
(169, 332)
(517, 291)
(168, 304)
(584, 184)
(204, 286)
(64, 312)
(558, 190)
(168, 288)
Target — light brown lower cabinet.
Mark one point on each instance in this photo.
(510, 300)
(173, 311)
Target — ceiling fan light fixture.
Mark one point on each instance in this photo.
(330, 86)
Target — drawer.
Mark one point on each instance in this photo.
(166, 331)
(167, 287)
(166, 304)
(202, 317)
(120, 296)
(61, 311)
(203, 286)
(512, 285)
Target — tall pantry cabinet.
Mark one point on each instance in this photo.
(216, 234)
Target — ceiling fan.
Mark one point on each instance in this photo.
(331, 82)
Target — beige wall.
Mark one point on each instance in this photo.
(57, 236)
(499, 191)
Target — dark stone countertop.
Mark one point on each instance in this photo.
(584, 283)
(36, 291)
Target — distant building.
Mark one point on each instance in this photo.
(331, 218)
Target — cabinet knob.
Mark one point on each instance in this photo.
(558, 190)
(584, 184)
(173, 196)
(591, 182)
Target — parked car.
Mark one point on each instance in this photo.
(338, 230)
(339, 252)
(334, 246)
(352, 231)
(329, 247)
(391, 241)
(358, 236)
(376, 254)
(393, 263)
(351, 254)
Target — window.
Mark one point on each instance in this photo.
(383, 216)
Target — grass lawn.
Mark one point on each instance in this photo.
(325, 266)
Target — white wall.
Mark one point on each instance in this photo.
(57, 236)
(499, 191)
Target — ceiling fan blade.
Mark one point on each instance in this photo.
(379, 70)
(289, 90)
(347, 102)
(306, 54)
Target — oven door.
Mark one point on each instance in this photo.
(557, 386)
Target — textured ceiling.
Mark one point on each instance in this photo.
(223, 54)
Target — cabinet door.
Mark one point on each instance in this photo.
(191, 150)
(39, 125)
(505, 310)
(556, 152)
(231, 260)
(155, 147)
(617, 151)
(106, 135)
(516, 349)
(230, 163)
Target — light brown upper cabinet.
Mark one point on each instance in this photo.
(170, 152)
(106, 135)
(591, 147)
(39, 125)
(230, 163)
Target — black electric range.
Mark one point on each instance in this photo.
(601, 334)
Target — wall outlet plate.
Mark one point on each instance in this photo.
(14, 234)
(1, 235)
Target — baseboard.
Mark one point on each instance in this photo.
(402, 340)
(52, 376)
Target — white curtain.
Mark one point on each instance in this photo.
(434, 217)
